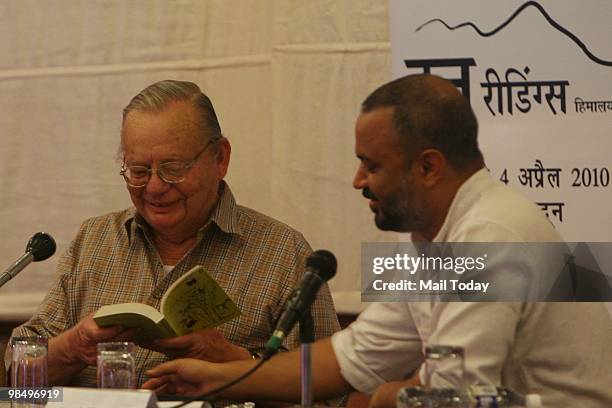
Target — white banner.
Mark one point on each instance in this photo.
(539, 77)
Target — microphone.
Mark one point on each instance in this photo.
(320, 267)
(40, 247)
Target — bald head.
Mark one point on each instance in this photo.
(430, 113)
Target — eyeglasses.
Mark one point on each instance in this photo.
(172, 172)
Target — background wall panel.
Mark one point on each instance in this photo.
(286, 79)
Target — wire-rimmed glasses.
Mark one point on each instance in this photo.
(171, 172)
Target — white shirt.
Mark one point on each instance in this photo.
(562, 351)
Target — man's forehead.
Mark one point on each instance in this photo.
(376, 117)
(176, 113)
(376, 127)
(168, 134)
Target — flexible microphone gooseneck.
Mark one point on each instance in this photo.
(40, 247)
(320, 267)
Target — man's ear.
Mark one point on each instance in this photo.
(431, 164)
(224, 151)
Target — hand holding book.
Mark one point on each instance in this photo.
(195, 301)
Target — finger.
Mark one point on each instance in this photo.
(163, 369)
(127, 335)
(151, 384)
(179, 342)
(107, 333)
(155, 383)
(161, 386)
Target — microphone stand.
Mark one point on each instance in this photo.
(306, 340)
(16, 267)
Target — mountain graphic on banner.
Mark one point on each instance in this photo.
(548, 18)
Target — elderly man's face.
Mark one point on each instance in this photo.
(149, 139)
(384, 177)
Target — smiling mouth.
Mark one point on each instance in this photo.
(161, 205)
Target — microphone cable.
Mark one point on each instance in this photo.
(204, 397)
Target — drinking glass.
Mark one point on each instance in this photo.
(444, 370)
(29, 362)
(28, 370)
(444, 366)
(116, 365)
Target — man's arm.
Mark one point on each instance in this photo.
(277, 379)
(72, 347)
(52, 319)
(76, 348)
(385, 396)
(382, 345)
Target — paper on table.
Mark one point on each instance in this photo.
(103, 398)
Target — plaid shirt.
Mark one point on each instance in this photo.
(256, 259)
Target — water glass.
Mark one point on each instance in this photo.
(443, 381)
(116, 367)
(418, 397)
(28, 370)
(444, 367)
(29, 362)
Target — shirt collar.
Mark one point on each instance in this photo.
(224, 215)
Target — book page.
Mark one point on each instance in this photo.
(196, 301)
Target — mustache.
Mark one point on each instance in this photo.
(367, 193)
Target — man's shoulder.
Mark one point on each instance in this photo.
(500, 201)
(500, 210)
(254, 221)
(109, 222)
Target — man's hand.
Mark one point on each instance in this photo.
(205, 344)
(82, 339)
(184, 376)
(278, 379)
(358, 400)
(385, 396)
(76, 348)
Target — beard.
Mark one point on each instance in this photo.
(401, 211)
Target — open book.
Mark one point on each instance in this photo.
(194, 301)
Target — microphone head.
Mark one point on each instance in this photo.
(41, 246)
(324, 262)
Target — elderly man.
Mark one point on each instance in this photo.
(421, 168)
(174, 162)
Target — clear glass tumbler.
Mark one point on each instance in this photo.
(116, 365)
(29, 362)
(444, 366)
(443, 381)
(28, 371)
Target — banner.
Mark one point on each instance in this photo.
(538, 75)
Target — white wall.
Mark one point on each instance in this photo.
(285, 76)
